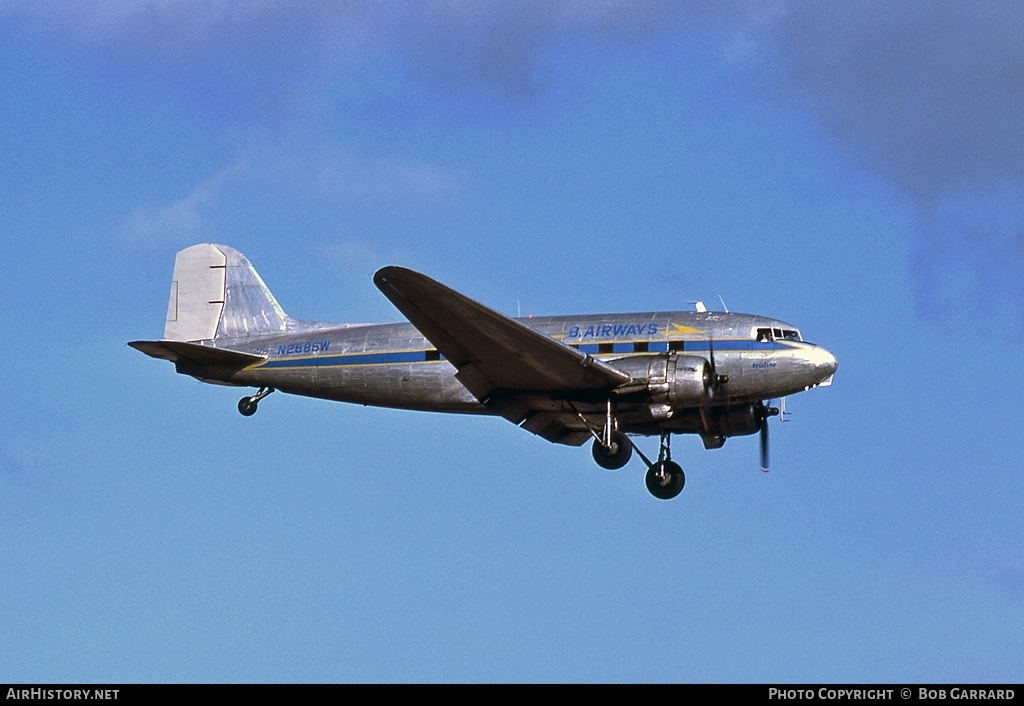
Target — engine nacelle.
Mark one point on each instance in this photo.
(717, 424)
(687, 378)
(672, 379)
(738, 421)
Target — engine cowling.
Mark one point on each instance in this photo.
(687, 378)
(669, 380)
(738, 421)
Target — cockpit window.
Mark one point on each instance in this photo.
(764, 335)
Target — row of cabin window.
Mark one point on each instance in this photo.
(763, 335)
(637, 347)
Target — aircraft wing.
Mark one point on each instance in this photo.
(492, 352)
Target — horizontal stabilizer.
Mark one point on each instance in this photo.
(203, 356)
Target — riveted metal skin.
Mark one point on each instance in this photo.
(552, 375)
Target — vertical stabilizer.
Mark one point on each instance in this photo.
(217, 294)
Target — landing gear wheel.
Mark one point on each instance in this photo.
(247, 405)
(616, 455)
(665, 480)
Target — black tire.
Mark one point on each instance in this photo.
(667, 485)
(246, 407)
(617, 456)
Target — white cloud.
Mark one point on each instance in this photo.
(323, 173)
(184, 219)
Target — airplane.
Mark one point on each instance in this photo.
(567, 379)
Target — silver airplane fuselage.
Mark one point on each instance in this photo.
(565, 378)
(394, 365)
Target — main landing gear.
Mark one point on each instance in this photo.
(247, 405)
(665, 479)
(612, 449)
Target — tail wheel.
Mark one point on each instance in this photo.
(247, 405)
(665, 480)
(615, 455)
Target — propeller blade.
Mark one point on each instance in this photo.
(714, 384)
(764, 445)
(716, 379)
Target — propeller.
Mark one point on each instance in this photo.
(714, 382)
(764, 411)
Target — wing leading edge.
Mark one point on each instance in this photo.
(497, 357)
(489, 347)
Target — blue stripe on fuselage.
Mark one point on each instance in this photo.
(353, 359)
(388, 358)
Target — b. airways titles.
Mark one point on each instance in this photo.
(613, 331)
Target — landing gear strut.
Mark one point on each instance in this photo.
(612, 448)
(665, 479)
(247, 405)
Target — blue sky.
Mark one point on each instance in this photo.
(856, 169)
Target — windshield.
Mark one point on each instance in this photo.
(777, 334)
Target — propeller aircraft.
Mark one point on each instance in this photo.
(569, 379)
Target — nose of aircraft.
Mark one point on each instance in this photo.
(825, 363)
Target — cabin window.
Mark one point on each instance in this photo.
(432, 354)
(606, 348)
(675, 345)
(640, 347)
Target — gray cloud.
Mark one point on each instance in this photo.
(236, 60)
(500, 47)
(926, 93)
(252, 53)
(969, 261)
(929, 94)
